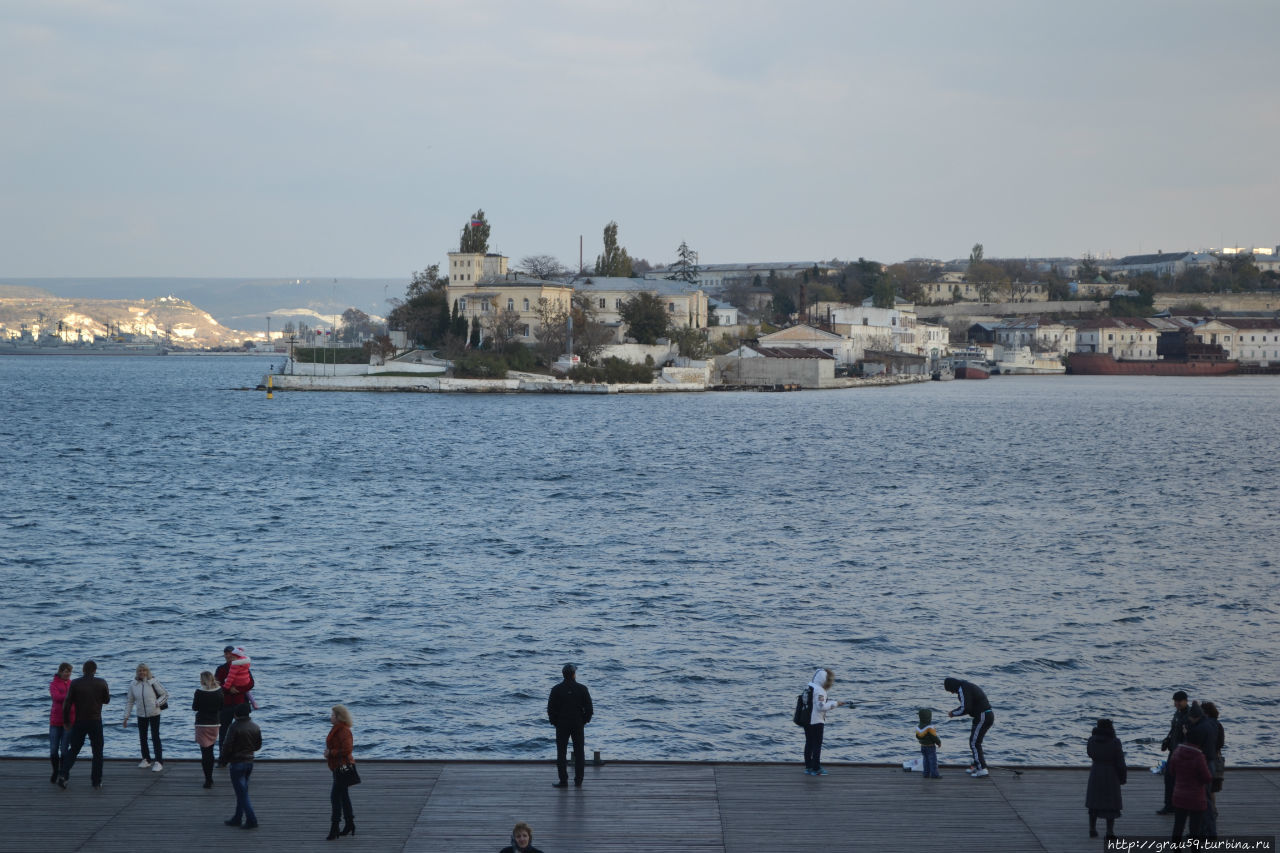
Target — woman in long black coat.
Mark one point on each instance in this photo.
(1105, 778)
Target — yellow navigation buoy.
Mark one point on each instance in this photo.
(270, 396)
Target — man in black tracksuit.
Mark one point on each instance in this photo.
(973, 702)
(569, 710)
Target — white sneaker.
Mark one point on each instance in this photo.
(156, 768)
(978, 774)
(144, 763)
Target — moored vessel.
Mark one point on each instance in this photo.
(1178, 354)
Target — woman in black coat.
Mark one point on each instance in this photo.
(1105, 778)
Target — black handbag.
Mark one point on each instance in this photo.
(347, 775)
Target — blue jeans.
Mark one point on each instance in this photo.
(813, 746)
(91, 729)
(59, 740)
(929, 767)
(240, 784)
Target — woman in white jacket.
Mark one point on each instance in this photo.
(151, 698)
(821, 683)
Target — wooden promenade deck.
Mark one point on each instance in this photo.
(658, 807)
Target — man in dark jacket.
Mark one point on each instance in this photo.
(230, 698)
(86, 695)
(569, 710)
(973, 703)
(1177, 734)
(244, 738)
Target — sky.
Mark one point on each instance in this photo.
(356, 137)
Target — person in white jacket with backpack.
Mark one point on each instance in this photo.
(150, 697)
(820, 704)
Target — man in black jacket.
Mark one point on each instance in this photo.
(244, 738)
(569, 710)
(86, 696)
(1177, 734)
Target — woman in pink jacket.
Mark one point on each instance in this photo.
(59, 728)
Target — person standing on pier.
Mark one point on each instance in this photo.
(339, 753)
(973, 703)
(244, 738)
(235, 691)
(569, 710)
(813, 733)
(150, 697)
(207, 703)
(1177, 734)
(1102, 797)
(59, 734)
(85, 697)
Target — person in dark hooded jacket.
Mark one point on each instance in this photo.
(973, 703)
(1202, 733)
(1102, 798)
(1191, 778)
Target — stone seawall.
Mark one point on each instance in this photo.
(447, 385)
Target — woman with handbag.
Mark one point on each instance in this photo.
(207, 703)
(338, 748)
(151, 698)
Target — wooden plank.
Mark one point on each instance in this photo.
(657, 807)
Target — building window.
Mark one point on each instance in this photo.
(484, 306)
(511, 304)
(462, 305)
(671, 307)
(617, 304)
(602, 302)
(526, 307)
(524, 330)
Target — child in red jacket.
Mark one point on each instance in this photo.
(238, 672)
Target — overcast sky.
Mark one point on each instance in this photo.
(355, 137)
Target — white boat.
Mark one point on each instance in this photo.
(1022, 361)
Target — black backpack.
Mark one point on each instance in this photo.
(804, 707)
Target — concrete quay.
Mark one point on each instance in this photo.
(658, 807)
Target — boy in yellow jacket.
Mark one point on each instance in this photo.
(929, 741)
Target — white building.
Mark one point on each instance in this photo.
(1123, 338)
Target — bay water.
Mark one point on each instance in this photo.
(1077, 546)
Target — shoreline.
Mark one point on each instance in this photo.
(527, 385)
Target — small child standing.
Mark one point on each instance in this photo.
(927, 735)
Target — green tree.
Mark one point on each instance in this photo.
(458, 323)
(686, 266)
(356, 325)
(646, 317)
(474, 340)
(691, 342)
(475, 234)
(884, 295)
(615, 261)
(1088, 270)
(423, 313)
(425, 280)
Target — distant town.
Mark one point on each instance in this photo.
(804, 324)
